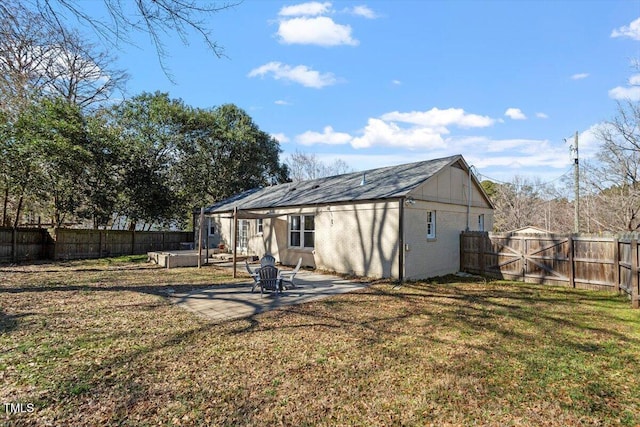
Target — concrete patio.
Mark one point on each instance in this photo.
(225, 302)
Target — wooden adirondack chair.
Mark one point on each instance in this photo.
(269, 280)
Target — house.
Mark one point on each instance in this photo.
(400, 222)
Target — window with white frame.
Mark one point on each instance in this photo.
(259, 226)
(302, 231)
(431, 224)
(481, 222)
(243, 234)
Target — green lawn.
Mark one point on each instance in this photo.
(97, 343)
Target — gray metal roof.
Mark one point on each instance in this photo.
(382, 183)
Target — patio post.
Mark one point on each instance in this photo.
(235, 240)
(200, 237)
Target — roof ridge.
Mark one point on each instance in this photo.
(359, 173)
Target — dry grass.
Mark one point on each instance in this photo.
(96, 343)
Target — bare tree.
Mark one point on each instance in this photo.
(524, 202)
(24, 37)
(615, 182)
(38, 59)
(303, 166)
(156, 18)
(82, 74)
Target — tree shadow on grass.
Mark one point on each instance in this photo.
(9, 322)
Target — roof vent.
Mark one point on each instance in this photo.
(316, 186)
(364, 178)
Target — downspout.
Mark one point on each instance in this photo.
(469, 201)
(401, 242)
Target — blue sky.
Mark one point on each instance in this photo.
(378, 83)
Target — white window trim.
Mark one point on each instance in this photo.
(259, 226)
(481, 222)
(244, 234)
(431, 235)
(302, 232)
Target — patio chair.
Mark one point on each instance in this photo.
(254, 275)
(269, 280)
(288, 276)
(267, 259)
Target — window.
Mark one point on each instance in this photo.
(259, 225)
(212, 227)
(243, 234)
(302, 231)
(431, 224)
(481, 222)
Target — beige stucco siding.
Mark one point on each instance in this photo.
(447, 195)
(360, 238)
(426, 257)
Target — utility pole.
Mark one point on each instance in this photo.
(576, 186)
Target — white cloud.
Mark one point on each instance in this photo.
(382, 133)
(282, 102)
(396, 82)
(364, 11)
(281, 137)
(328, 136)
(299, 74)
(515, 114)
(542, 115)
(438, 118)
(313, 8)
(320, 30)
(579, 76)
(412, 130)
(632, 30)
(630, 92)
(634, 80)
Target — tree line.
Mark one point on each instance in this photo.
(68, 153)
(148, 160)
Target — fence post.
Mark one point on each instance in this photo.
(483, 241)
(462, 263)
(635, 302)
(572, 269)
(133, 242)
(616, 264)
(14, 244)
(523, 259)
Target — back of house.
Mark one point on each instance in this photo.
(400, 222)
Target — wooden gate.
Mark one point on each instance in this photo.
(587, 262)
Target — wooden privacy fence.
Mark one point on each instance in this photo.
(78, 244)
(586, 262)
(28, 244)
(24, 244)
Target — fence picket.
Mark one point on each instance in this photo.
(28, 244)
(578, 261)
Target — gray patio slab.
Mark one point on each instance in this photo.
(233, 301)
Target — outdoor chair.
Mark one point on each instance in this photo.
(288, 276)
(267, 259)
(254, 275)
(269, 280)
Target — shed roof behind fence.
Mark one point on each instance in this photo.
(375, 184)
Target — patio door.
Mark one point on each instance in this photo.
(243, 235)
